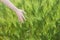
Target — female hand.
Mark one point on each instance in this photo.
(20, 14)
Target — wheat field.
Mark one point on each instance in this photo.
(42, 20)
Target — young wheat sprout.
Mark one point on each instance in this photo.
(19, 12)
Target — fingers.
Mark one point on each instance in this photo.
(21, 19)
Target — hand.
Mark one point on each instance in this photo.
(20, 15)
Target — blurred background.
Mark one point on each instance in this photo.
(42, 20)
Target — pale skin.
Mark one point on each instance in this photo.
(19, 12)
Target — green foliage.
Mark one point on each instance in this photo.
(42, 20)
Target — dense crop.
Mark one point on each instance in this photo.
(42, 20)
